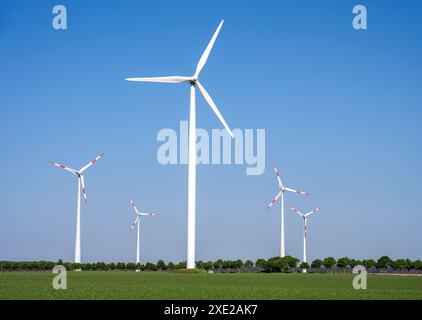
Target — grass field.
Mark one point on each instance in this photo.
(163, 285)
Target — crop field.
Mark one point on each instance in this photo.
(167, 285)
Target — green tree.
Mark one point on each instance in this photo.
(417, 264)
(400, 264)
(368, 263)
(87, 266)
(99, 266)
(343, 262)
(13, 266)
(49, 265)
(131, 266)
(355, 262)
(120, 266)
(248, 264)
(291, 261)
(238, 264)
(304, 265)
(278, 264)
(218, 264)
(261, 263)
(208, 265)
(199, 264)
(329, 262)
(227, 264)
(383, 262)
(150, 266)
(316, 264)
(273, 264)
(170, 265)
(409, 264)
(161, 265)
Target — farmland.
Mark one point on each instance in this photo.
(171, 285)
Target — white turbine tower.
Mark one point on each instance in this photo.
(281, 194)
(193, 83)
(136, 222)
(305, 227)
(81, 182)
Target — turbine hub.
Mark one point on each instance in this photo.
(194, 80)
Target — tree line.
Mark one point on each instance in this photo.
(275, 264)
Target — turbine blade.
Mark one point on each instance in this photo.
(63, 167)
(149, 214)
(170, 79)
(92, 162)
(275, 199)
(296, 211)
(83, 188)
(297, 191)
(313, 211)
(214, 108)
(134, 223)
(280, 184)
(133, 205)
(207, 51)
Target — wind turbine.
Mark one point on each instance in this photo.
(305, 227)
(136, 222)
(81, 182)
(194, 83)
(281, 194)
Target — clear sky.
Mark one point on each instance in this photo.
(341, 109)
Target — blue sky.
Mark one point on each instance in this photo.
(341, 110)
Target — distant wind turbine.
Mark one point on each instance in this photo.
(81, 182)
(281, 194)
(305, 227)
(193, 83)
(136, 223)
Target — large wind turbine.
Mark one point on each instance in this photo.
(81, 182)
(136, 222)
(305, 227)
(281, 194)
(194, 83)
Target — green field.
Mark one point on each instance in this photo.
(166, 285)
